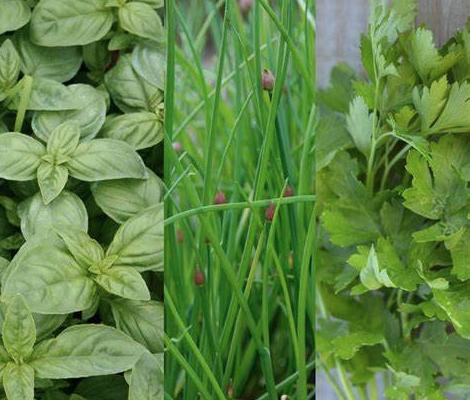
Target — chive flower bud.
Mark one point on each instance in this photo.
(289, 192)
(269, 214)
(199, 277)
(245, 5)
(177, 146)
(267, 80)
(220, 198)
(179, 236)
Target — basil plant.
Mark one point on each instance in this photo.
(81, 213)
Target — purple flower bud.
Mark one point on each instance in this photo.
(267, 80)
(177, 146)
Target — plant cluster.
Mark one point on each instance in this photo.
(81, 218)
(393, 159)
(240, 224)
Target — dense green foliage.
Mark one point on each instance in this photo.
(81, 218)
(394, 205)
(239, 270)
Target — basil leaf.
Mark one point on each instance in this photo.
(47, 94)
(9, 67)
(141, 129)
(89, 117)
(63, 139)
(46, 324)
(57, 63)
(19, 330)
(141, 19)
(138, 242)
(4, 360)
(121, 199)
(129, 91)
(48, 277)
(149, 62)
(102, 159)
(70, 22)
(20, 156)
(141, 320)
(66, 209)
(85, 350)
(123, 282)
(14, 15)
(84, 249)
(147, 381)
(154, 3)
(18, 382)
(51, 179)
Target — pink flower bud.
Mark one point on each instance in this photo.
(199, 277)
(179, 236)
(289, 192)
(267, 80)
(269, 214)
(220, 198)
(245, 5)
(177, 146)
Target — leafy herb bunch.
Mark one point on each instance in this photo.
(393, 159)
(81, 218)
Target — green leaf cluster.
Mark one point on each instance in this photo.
(81, 212)
(394, 204)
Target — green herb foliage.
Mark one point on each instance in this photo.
(394, 205)
(239, 270)
(81, 212)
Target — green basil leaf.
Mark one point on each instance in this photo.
(141, 320)
(18, 382)
(138, 242)
(63, 139)
(153, 3)
(96, 56)
(48, 277)
(4, 360)
(20, 156)
(121, 199)
(66, 209)
(147, 381)
(52, 180)
(141, 19)
(57, 63)
(141, 129)
(14, 15)
(129, 91)
(69, 22)
(102, 159)
(90, 117)
(85, 250)
(123, 282)
(19, 330)
(85, 350)
(149, 62)
(47, 94)
(46, 324)
(9, 66)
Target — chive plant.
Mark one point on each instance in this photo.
(239, 168)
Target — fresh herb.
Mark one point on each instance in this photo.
(394, 205)
(238, 288)
(81, 212)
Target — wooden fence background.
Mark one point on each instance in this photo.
(340, 22)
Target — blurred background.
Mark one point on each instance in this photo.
(340, 23)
